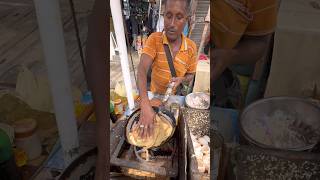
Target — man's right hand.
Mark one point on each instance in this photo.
(146, 121)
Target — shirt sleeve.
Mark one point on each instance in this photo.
(193, 60)
(264, 17)
(149, 47)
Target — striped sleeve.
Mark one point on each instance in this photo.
(150, 46)
(192, 65)
(264, 17)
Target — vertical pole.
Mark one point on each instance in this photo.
(119, 30)
(204, 33)
(51, 33)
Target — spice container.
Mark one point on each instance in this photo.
(175, 109)
(118, 106)
(27, 138)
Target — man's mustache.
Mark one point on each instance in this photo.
(171, 29)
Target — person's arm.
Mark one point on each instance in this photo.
(187, 78)
(147, 115)
(96, 56)
(143, 67)
(249, 50)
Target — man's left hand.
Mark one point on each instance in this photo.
(222, 58)
(177, 81)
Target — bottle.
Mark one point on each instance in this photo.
(27, 139)
(118, 107)
(168, 92)
(113, 116)
(8, 167)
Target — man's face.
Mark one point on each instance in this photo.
(175, 17)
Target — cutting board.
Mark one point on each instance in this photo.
(295, 68)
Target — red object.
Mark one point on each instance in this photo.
(203, 57)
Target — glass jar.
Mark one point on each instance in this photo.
(118, 107)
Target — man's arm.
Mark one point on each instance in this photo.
(143, 67)
(248, 51)
(147, 113)
(186, 79)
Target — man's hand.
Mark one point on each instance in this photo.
(147, 115)
(177, 81)
(146, 121)
(249, 50)
(222, 58)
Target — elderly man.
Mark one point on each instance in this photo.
(242, 30)
(183, 52)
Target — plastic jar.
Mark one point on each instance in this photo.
(118, 106)
(26, 137)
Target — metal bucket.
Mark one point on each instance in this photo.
(261, 111)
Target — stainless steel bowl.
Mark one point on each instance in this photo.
(191, 97)
(262, 110)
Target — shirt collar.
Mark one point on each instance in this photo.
(184, 45)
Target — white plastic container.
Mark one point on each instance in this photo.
(27, 139)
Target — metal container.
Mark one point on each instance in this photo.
(216, 151)
(262, 111)
(134, 117)
(198, 123)
(257, 163)
(27, 139)
(205, 97)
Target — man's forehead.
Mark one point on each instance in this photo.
(184, 4)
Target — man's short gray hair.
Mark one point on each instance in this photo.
(188, 8)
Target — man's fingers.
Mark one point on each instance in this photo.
(144, 134)
(134, 127)
(150, 130)
(140, 131)
(147, 132)
(173, 79)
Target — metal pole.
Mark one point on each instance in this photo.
(159, 14)
(119, 30)
(51, 33)
(204, 33)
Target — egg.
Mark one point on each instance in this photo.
(203, 141)
(207, 138)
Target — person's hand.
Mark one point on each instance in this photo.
(177, 81)
(222, 58)
(146, 122)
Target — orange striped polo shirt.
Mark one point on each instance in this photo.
(234, 18)
(184, 61)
